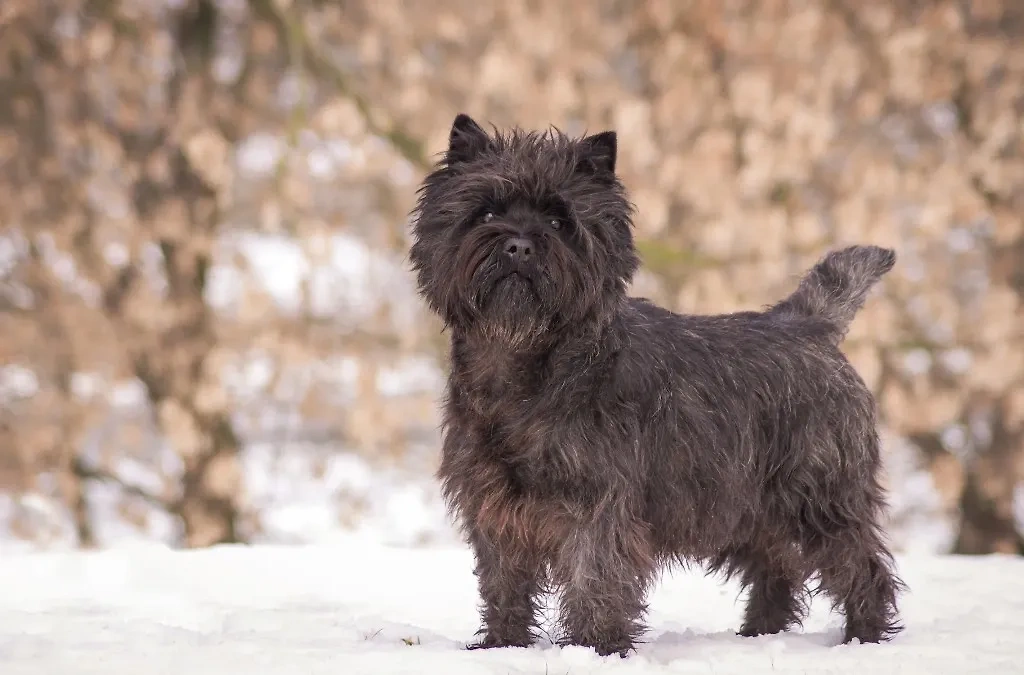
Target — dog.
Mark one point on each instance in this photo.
(590, 438)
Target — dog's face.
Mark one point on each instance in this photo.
(523, 233)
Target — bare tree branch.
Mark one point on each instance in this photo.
(84, 472)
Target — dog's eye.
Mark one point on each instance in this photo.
(555, 224)
(487, 217)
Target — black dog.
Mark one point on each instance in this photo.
(591, 438)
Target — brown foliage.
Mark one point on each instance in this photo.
(753, 135)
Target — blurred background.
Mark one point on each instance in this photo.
(209, 328)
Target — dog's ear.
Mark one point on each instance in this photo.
(466, 139)
(599, 152)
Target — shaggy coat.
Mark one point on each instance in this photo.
(592, 438)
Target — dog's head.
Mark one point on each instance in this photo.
(523, 233)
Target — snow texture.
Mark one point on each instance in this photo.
(356, 607)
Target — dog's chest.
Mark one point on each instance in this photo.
(533, 441)
(500, 386)
(533, 414)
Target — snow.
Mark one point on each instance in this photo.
(358, 607)
(385, 506)
(353, 279)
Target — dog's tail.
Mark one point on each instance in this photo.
(835, 289)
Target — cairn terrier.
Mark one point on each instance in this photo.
(592, 438)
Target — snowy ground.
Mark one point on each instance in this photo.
(360, 608)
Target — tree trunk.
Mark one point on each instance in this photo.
(72, 488)
(987, 523)
(211, 487)
(180, 378)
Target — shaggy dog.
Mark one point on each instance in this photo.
(591, 438)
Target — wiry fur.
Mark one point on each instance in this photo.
(591, 438)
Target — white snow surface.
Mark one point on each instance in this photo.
(358, 607)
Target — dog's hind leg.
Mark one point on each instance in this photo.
(856, 571)
(773, 575)
(840, 527)
(842, 540)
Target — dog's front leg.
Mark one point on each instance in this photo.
(510, 577)
(604, 572)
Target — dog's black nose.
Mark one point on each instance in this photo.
(520, 249)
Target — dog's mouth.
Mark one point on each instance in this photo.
(497, 273)
(515, 286)
(516, 274)
(516, 277)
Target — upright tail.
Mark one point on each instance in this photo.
(835, 289)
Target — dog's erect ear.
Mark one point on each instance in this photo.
(599, 152)
(466, 139)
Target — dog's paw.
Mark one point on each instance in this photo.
(608, 650)
(870, 633)
(496, 642)
(756, 631)
(603, 647)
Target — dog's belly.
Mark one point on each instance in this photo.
(693, 517)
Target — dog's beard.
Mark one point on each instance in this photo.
(511, 309)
